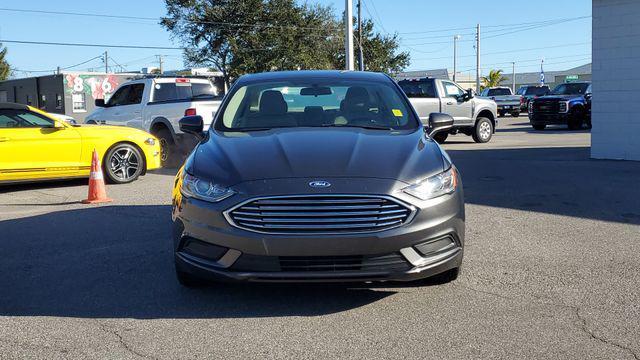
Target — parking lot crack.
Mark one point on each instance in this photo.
(122, 342)
(583, 321)
(585, 328)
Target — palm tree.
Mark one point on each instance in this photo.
(494, 79)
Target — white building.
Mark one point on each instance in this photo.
(616, 75)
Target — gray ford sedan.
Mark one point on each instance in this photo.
(311, 176)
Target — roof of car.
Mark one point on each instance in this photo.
(313, 74)
(13, 106)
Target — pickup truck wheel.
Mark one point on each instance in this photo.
(539, 127)
(501, 113)
(123, 164)
(575, 119)
(167, 148)
(515, 113)
(441, 137)
(483, 131)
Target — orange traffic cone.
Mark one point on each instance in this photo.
(97, 189)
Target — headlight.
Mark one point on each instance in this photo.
(564, 106)
(437, 185)
(150, 141)
(203, 190)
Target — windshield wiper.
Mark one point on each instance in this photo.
(371, 127)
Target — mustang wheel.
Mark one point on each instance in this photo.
(123, 164)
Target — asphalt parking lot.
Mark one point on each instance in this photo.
(551, 270)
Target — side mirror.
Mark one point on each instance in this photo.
(192, 125)
(58, 125)
(100, 103)
(439, 122)
(470, 94)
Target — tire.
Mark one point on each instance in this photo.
(168, 149)
(441, 137)
(483, 131)
(539, 127)
(188, 280)
(123, 163)
(501, 113)
(576, 119)
(515, 114)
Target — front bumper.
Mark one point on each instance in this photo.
(548, 118)
(225, 252)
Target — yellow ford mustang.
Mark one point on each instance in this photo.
(36, 146)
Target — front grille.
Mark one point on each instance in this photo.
(317, 214)
(546, 106)
(392, 262)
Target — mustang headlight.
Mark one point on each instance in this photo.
(434, 186)
(204, 190)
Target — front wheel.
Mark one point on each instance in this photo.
(501, 113)
(123, 164)
(539, 127)
(576, 119)
(515, 114)
(483, 131)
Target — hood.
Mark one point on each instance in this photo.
(232, 158)
(110, 130)
(559, 97)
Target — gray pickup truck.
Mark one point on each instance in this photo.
(472, 115)
(504, 98)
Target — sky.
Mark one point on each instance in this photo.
(426, 29)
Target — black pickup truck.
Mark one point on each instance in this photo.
(568, 104)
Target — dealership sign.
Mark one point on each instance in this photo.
(570, 78)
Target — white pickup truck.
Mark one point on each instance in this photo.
(155, 105)
(507, 102)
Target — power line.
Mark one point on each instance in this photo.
(91, 45)
(68, 13)
(62, 68)
(511, 51)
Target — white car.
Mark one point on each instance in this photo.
(156, 104)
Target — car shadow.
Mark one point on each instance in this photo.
(562, 181)
(116, 262)
(43, 185)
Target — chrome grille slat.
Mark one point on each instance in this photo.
(318, 214)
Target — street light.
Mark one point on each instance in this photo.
(455, 50)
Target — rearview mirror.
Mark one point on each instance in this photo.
(99, 103)
(439, 122)
(192, 125)
(315, 91)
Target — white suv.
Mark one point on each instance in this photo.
(156, 104)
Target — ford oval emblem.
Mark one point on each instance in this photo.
(319, 184)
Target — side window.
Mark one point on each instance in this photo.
(135, 94)
(10, 118)
(164, 92)
(452, 90)
(119, 97)
(423, 89)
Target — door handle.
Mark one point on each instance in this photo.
(4, 139)
(450, 103)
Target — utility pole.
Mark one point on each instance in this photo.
(348, 34)
(514, 76)
(160, 63)
(455, 56)
(360, 55)
(478, 58)
(106, 62)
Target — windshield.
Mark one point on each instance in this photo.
(316, 103)
(498, 92)
(570, 89)
(538, 90)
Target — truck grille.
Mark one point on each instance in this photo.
(318, 214)
(546, 106)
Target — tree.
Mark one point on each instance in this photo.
(237, 37)
(5, 69)
(493, 79)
